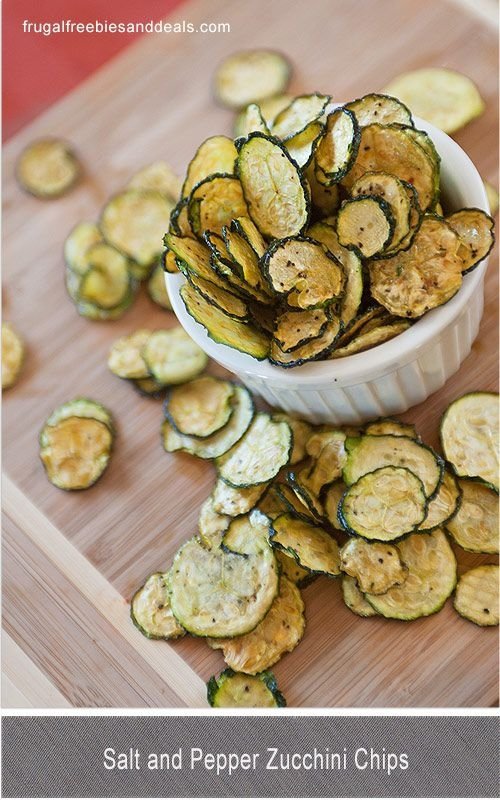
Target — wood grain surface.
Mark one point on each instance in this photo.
(72, 561)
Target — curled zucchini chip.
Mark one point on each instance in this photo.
(157, 177)
(365, 223)
(214, 202)
(219, 442)
(475, 525)
(354, 599)
(296, 117)
(475, 230)
(125, 357)
(351, 263)
(268, 109)
(381, 108)
(134, 222)
(200, 407)
(212, 525)
(364, 321)
(394, 192)
(229, 272)
(432, 575)
(368, 453)
(251, 76)
(259, 455)
(470, 434)
(84, 408)
(294, 503)
(375, 566)
(215, 155)
(299, 483)
(443, 97)
(338, 147)
(325, 199)
(327, 450)
(193, 258)
(301, 431)
(244, 256)
(172, 357)
(249, 120)
(384, 505)
(150, 609)
(220, 298)
(233, 502)
(83, 236)
(295, 328)
(106, 282)
(311, 546)
(332, 499)
(219, 593)
(493, 198)
(304, 271)
(179, 220)
(48, 168)
(368, 339)
(302, 146)
(423, 277)
(251, 233)
(279, 632)
(222, 328)
(312, 350)
(157, 289)
(476, 596)
(168, 263)
(12, 355)
(234, 690)
(149, 387)
(75, 452)
(246, 534)
(271, 503)
(292, 571)
(444, 505)
(393, 427)
(276, 193)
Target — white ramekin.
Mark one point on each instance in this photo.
(392, 377)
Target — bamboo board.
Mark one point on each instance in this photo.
(71, 561)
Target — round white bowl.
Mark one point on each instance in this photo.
(387, 379)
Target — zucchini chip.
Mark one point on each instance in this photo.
(150, 609)
(134, 222)
(327, 450)
(470, 435)
(375, 566)
(476, 596)
(301, 431)
(251, 233)
(292, 571)
(294, 503)
(271, 503)
(251, 76)
(259, 455)
(106, 283)
(338, 148)
(269, 110)
(125, 357)
(193, 258)
(157, 289)
(168, 263)
(215, 155)
(475, 230)
(222, 328)
(246, 534)
(295, 328)
(172, 357)
(325, 199)
(332, 499)
(48, 168)
(432, 575)
(364, 321)
(75, 451)
(220, 298)
(148, 387)
(263, 316)
(233, 502)
(425, 276)
(179, 220)
(444, 505)
(84, 408)
(395, 193)
(351, 263)
(475, 526)
(304, 271)
(276, 193)
(200, 407)
(303, 146)
(384, 505)
(157, 177)
(233, 690)
(244, 256)
(220, 442)
(365, 223)
(443, 97)
(312, 350)
(368, 453)
(393, 427)
(381, 108)
(279, 632)
(249, 120)
(354, 599)
(214, 202)
(298, 116)
(83, 236)
(299, 484)
(212, 525)
(366, 340)
(492, 195)
(12, 355)
(311, 546)
(222, 594)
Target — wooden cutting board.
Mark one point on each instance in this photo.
(72, 561)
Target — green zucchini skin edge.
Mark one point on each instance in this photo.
(336, 177)
(493, 238)
(139, 627)
(474, 622)
(458, 504)
(386, 208)
(382, 96)
(267, 677)
(191, 201)
(327, 99)
(314, 573)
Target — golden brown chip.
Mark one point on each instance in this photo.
(250, 76)
(125, 357)
(215, 155)
(304, 271)
(376, 566)
(475, 230)
(48, 168)
(475, 526)
(214, 203)
(75, 452)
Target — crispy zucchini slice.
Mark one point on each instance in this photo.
(245, 256)
(301, 431)
(269, 110)
(365, 223)
(299, 483)
(276, 193)
(216, 154)
(443, 97)
(332, 499)
(134, 222)
(371, 338)
(179, 220)
(292, 571)
(193, 258)
(338, 147)
(262, 316)
(220, 442)
(476, 596)
(375, 566)
(48, 168)
(157, 289)
(469, 435)
(328, 451)
(298, 116)
(384, 505)
(168, 262)
(432, 575)
(150, 609)
(354, 599)
(157, 177)
(214, 202)
(393, 427)
(325, 199)
(492, 195)
(125, 357)
(279, 632)
(106, 283)
(75, 451)
(219, 593)
(249, 120)
(368, 319)
(228, 270)
(444, 505)
(351, 263)
(251, 233)
(233, 502)
(475, 230)
(233, 690)
(78, 241)
(149, 387)
(303, 146)
(222, 328)
(313, 350)
(381, 108)
(295, 328)
(224, 300)
(423, 277)
(311, 546)
(475, 525)
(200, 407)
(394, 192)
(212, 525)
(84, 408)
(246, 533)
(368, 453)
(304, 272)
(172, 357)
(12, 355)
(294, 504)
(259, 455)
(271, 503)
(250, 76)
